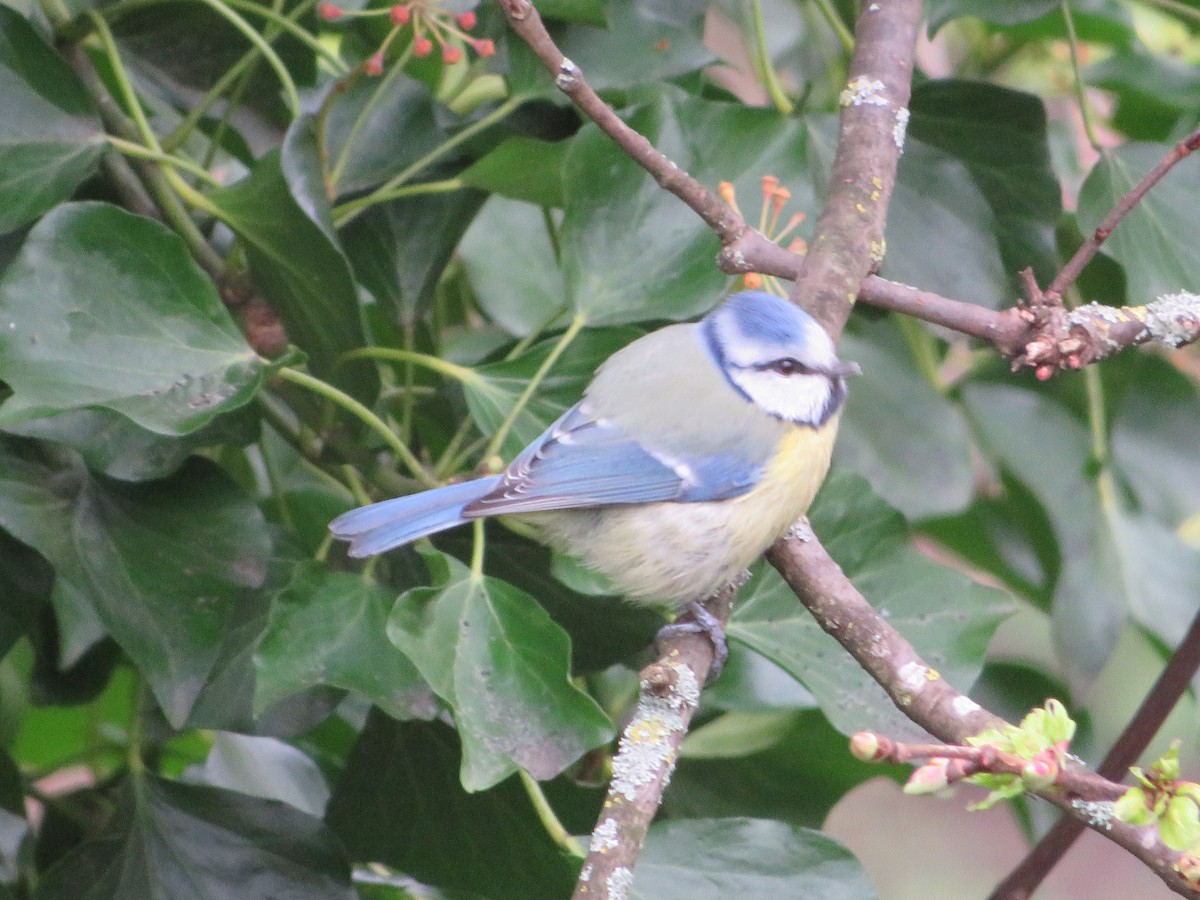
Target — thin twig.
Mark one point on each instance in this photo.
(1091, 246)
(1171, 684)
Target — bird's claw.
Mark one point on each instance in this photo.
(701, 622)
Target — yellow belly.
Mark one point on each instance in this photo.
(674, 553)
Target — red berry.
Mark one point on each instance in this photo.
(484, 47)
(451, 55)
(329, 10)
(467, 20)
(422, 47)
(374, 64)
(400, 14)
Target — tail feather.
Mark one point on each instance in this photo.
(393, 523)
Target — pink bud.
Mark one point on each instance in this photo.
(451, 55)
(374, 64)
(400, 14)
(329, 10)
(484, 47)
(422, 47)
(467, 20)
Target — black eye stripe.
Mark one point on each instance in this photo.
(785, 366)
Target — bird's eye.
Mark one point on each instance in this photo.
(788, 366)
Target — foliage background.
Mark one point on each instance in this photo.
(197, 689)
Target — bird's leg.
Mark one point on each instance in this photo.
(701, 621)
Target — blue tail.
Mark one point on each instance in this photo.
(393, 523)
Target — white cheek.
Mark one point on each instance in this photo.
(799, 398)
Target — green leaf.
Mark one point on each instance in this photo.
(1117, 562)
(492, 396)
(400, 249)
(976, 198)
(521, 292)
(112, 445)
(102, 308)
(193, 842)
(168, 566)
(999, 136)
(25, 583)
(1154, 430)
(645, 41)
(492, 653)
(608, 224)
(330, 628)
(1152, 92)
(295, 261)
(754, 859)
(1154, 241)
(939, 12)
(50, 139)
(266, 767)
(945, 616)
(797, 778)
(900, 433)
(399, 801)
(364, 121)
(522, 168)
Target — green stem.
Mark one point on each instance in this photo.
(447, 465)
(124, 85)
(766, 68)
(477, 548)
(535, 382)
(348, 403)
(1077, 75)
(844, 35)
(268, 53)
(350, 210)
(286, 23)
(396, 355)
(546, 815)
(129, 148)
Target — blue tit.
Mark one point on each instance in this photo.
(693, 449)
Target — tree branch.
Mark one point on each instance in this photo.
(848, 242)
(1172, 682)
(646, 755)
(920, 693)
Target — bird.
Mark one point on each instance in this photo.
(692, 450)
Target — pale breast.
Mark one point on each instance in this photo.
(673, 553)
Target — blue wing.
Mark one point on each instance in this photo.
(581, 461)
(578, 462)
(392, 523)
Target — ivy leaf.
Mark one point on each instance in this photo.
(1154, 241)
(745, 858)
(295, 260)
(330, 628)
(943, 614)
(166, 566)
(494, 655)
(399, 801)
(52, 136)
(102, 308)
(194, 842)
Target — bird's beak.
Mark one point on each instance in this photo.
(843, 368)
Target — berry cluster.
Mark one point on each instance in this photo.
(430, 25)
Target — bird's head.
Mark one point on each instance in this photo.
(777, 357)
